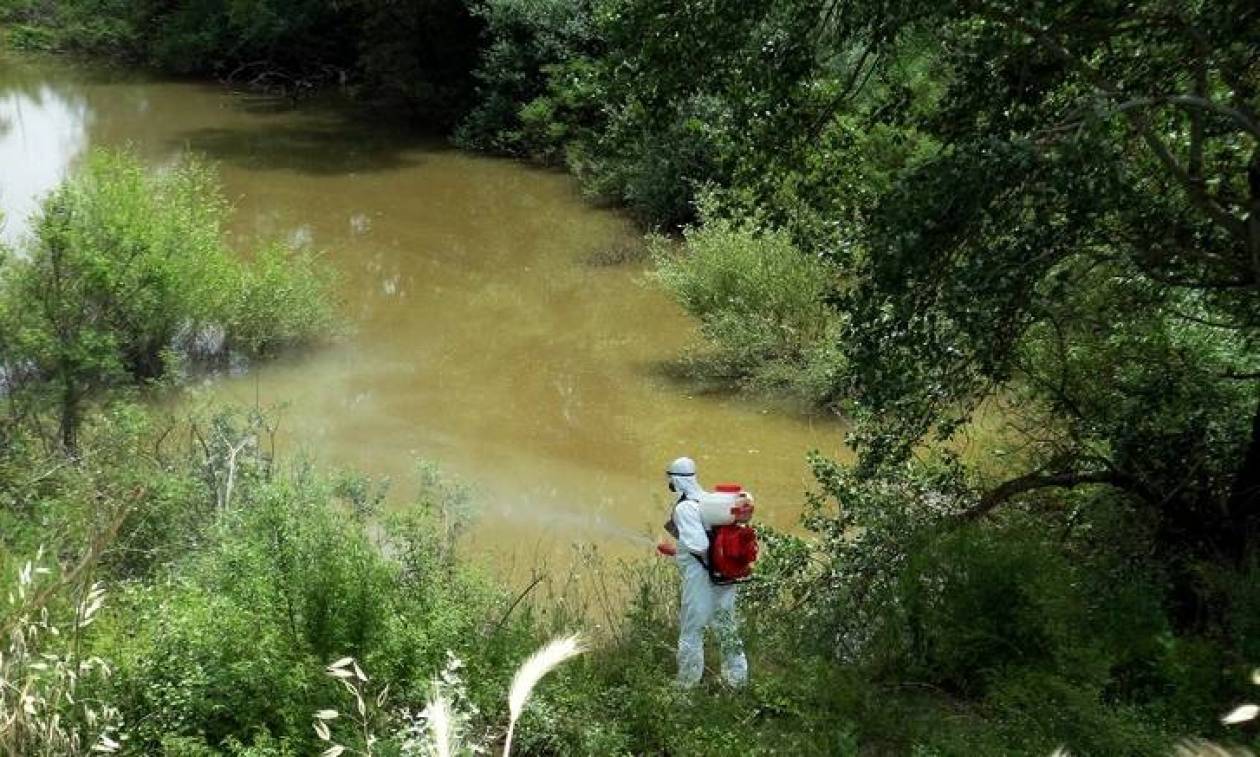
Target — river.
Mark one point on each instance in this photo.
(481, 337)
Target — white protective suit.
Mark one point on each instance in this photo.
(704, 604)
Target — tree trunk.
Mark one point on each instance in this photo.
(1244, 497)
(69, 422)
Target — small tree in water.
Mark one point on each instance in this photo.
(128, 269)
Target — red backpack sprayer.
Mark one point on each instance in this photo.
(726, 512)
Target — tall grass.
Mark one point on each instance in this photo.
(532, 671)
(443, 735)
(42, 666)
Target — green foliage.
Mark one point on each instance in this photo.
(1042, 711)
(100, 27)
(912, 640)
(27, 38)
(279, 300)
(1104, 281)
(92, 27)
(129, 270)
(40, 675)
(420, 54)
(1032, 612)
(528, 74)
(141, 249)
(234, 605)
(201, 666)
(975, 605)
(1020, 207)
(1042, 214)
(218, 35)
(653, 105)
(1102, 284)
(692, 91)
(761, 300)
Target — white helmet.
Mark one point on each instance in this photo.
(683, 466)
(682, 478)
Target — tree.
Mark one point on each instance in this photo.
(1085, 242)
(124, 262)
(128, 271)
(420, 53)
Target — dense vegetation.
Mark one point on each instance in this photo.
(1032, 225)
(416, 55)
(129, 281)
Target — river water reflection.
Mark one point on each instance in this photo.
(481, 337)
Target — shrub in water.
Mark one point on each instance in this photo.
(127, 269)
(761, 303)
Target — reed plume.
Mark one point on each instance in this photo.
(531, 672)
(439, 718)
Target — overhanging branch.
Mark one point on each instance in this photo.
(1035, 481)
(1193, 103)
(1205, 202)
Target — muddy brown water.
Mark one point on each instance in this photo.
(480, 336)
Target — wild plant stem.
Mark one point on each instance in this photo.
(507, 744)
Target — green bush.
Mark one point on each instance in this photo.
(139, 252)
(129, 270)
(225, 647)
(195, 665)
(990, 640)
(1040, 711)
(288, 43)
(280, 300)
(761, 303)
(108, 28)
(531, 49)
(28, 38)
(977, 605)
(101, 27)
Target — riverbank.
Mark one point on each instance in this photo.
(427, 73)
(220, 612)
(226, 586)
(477, 334)
(913, 213)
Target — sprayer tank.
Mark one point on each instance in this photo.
(726, 504)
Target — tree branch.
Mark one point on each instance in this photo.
(1195, 103)
(96, 547)
(1242, 282)
(1204, 201)
(1034, 481)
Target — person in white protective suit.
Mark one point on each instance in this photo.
(704, 604)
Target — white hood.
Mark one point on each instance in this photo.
(682, 474)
